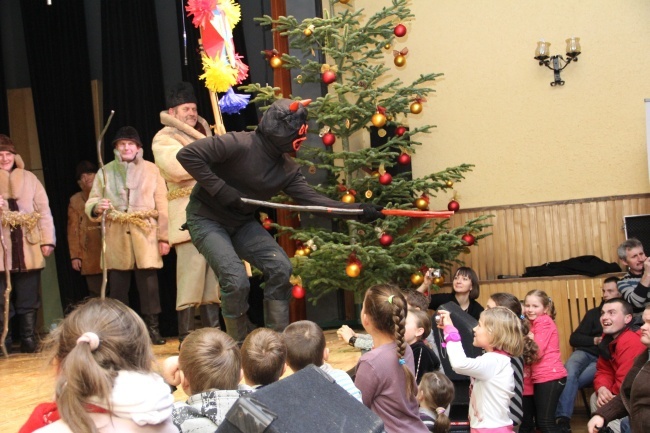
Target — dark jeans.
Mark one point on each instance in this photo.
(581, 368)
(539, 409)
(24, 292)
(146, 281)
(224, 248)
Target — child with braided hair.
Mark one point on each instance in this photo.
(385, 375)
(436, 393)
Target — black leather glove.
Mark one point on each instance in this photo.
(230, 197)
(371, 212)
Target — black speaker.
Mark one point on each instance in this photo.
(638, 226)
(306, 401)
(465, 324)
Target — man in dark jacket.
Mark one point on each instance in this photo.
(254, 165)
(581, 365)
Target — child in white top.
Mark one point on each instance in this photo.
(499, 333)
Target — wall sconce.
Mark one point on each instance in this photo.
(557, 63)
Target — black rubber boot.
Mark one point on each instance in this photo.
(152, 326)
(237, 328)
(185, 324)
(210, 315)
(276, 314)
(27, 322)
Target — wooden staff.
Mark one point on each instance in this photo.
(7, 296)
(103, 226)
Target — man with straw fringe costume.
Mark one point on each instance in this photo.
(196, 284)
(135, 196)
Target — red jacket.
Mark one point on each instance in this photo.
(623, 349)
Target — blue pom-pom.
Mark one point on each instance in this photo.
(233, 103)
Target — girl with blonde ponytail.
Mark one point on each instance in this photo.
(385, 375)
(105, 379)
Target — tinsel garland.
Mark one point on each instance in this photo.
(180, 192)
(138, 218)
(15, 219)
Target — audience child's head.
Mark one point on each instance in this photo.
(384, 312)
(511, 302)
(417, 326)
(537, 303)
(96, 340)
(306, 345)
(209, 359)
(264, 355)
(436, 394)
(465, 280)
(416, 300)
(499, 329)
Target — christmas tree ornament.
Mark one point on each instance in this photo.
(469, 239)
(312, 169)
(438, 281)
(400, 57)
(400, 130)
(329, 139)
(417, 278)
(399, 30)
(453, 206)
(309, 31)
(381, 132)
(328, 77)
(385, 240)
(378, 120)
(299, 252)
(449, 184)
(422, 203)
(348, 198)
(298, 292)
(385, 179)
(275, 62)
(353, 270)
(306, 250)
(404, 159)
(387, 46)
(416, 106)
(267, 222)
(368, 194)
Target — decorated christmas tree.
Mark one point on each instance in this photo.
(346, 49)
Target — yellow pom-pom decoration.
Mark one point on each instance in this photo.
(218, 76)
(231, 10)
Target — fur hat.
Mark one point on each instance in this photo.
(85, 167)
(127, 133)
(180, 93)
(6, 145)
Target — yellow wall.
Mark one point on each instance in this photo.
(494, 106)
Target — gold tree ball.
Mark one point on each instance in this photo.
(449, 184)
(421, 204)
(438, 280)
(307, 32)
(399, 60)
(353, 270)
(348, 198)
(378, 120)
(300, 252)
(275, 62)
(416, 107)
(417, 278)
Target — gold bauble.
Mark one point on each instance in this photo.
(387, 46)
(300, 252)
(449, 184)
(416, 107)
(347, 198)
(438, 280)
(307, 32)
(399, 60)
(306, 251)
(275, 62)
(353, 270)
(417, 278)
(421, 204)
(378, 120)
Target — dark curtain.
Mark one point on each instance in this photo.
(131, 69)
(57, 53)
(4, 111)
(194, 68)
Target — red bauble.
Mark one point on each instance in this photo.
(399, 30)
(453, 206)
(329, 139)
(400, 130)
(267, 223)
(298, 291)
(385, 179)
(404, 159)
(469, 239)
(328, 77)
(385, 240)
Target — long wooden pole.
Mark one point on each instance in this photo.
(103, 225)
(7, 295)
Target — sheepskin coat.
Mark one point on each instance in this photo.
(167, 142)
(84, 236)
(30, 196)
(131, 187)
